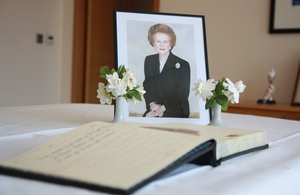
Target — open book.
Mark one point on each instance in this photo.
(122, 157)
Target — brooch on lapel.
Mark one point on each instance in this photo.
(177, 65)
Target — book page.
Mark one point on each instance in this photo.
(229, 140)
(120, 155)
(117, 155)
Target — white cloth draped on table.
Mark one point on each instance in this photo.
(275, 170)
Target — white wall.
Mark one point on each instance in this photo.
(240, 47)
(32, 73)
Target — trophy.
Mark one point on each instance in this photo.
(267, 99)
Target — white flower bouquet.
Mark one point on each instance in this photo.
(120, 83)
(221, 92)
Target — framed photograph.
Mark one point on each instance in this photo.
(296, 93)
(167, 54)
(284, 16)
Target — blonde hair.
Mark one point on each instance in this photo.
(161, 28)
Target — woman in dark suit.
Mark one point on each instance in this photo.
(167, 77)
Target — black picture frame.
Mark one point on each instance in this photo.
(132, 46)
(284, 17)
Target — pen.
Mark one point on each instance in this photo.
(194, 132)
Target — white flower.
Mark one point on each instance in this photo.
(116, 85)
(204, 90)
(231, 97)
(240, 86)
(141, 90)
(103, 95)
(129, 79)
(233, 90)
(220, 92)
(120, 83)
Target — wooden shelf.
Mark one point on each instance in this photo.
(275, 110)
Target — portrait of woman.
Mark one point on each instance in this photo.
(167, 76)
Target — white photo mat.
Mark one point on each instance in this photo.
(132, 47)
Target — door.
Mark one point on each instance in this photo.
(94, 43)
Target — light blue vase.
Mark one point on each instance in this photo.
(217, 116)
(119, 110)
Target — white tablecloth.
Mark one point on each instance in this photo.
(275, 170)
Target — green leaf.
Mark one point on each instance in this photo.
(130, 92)
(137, 96)
(104, 70)
(223, 79)
(126, 96)
(219, 88)
(112, 71)
(224, 108)
(121, 70)
(134, 93)
(209, 103)
(222, 100)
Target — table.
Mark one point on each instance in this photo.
(270, 110)
(275, 170)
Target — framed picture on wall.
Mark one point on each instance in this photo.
(167, 54)
(296, 93)
(285, 16)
